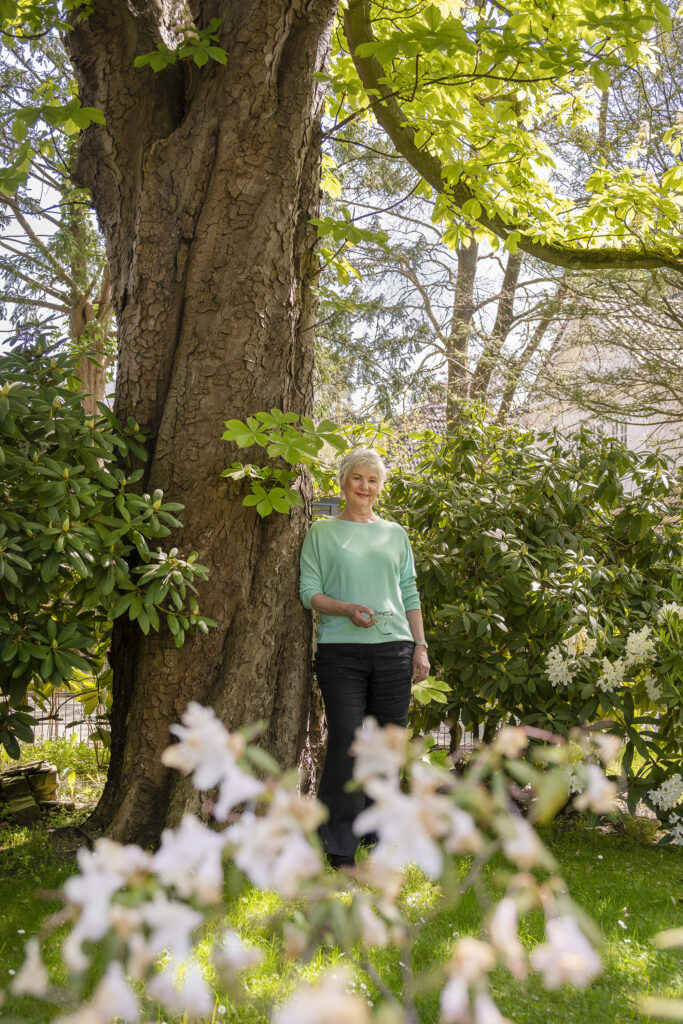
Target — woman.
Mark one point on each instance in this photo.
(357, 572)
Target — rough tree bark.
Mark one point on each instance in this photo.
(204, 181)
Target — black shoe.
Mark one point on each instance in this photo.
(340, 860)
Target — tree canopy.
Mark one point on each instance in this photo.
(462, 90)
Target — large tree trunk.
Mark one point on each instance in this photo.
(204, 181)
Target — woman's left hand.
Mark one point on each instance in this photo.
(420, 663)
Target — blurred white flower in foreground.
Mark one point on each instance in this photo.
(379, 752)
(486, 1011)
(567, 956)
(208, 752)
(455, 1001)
(503, 932)
(405, 827)
(112, 999)
(521, 845)
(105, 869)
(511, 741)
(192, 996)
(409, 825)
(32, 979)
(471, 959)
(272, 849)
(374, 931)
(598, 793)
(608, 745)
(190, 858)
(231, 956)
(328, 1001)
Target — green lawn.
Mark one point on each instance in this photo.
(631, 888)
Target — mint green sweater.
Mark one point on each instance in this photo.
(364, 563)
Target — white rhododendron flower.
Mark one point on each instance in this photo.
(669, 794)
(113, 999)
(486, 1011)
(672, 608)
(32, 978)
(409, 826)
(328, 1001)
(231, 956)
(574, 780)
(521, 845)
(652, 688)
(208, 752)
(598, 794)
(156, 926)
(405, 829)
(105, 869)
(675, 824)
(608, 746)
(455, 1001)
(379, 752)
(471, 959)
(612, 675)
(191, 995)
(511, 741)
(272, 849)
(590, 646)
(462, 835)
(503, 933)
(374, 931)
(169, 925)
(640, 647)
(557, 667)
(567, 956)
(190, 859)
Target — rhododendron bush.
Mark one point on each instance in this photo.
(550, 570)
(137, 918)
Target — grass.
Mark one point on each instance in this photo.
(67, 755)
(631, 888)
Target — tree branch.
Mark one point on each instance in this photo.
(61, 272)
(358, 30)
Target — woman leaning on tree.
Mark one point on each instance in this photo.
(357, 572)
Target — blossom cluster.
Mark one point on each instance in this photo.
(147, 911)
(562, 660)
(668, 795)
(675, 824)
(671, 608)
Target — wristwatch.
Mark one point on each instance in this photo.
(421, 643)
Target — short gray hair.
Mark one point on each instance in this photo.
(361, 457)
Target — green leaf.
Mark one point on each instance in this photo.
(600, 77)
(217, 53)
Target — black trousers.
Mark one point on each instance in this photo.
(356, 680)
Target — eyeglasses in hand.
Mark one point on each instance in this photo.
(382, 622)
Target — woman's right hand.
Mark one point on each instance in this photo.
(360, 615)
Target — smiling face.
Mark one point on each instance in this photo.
(360, 488)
